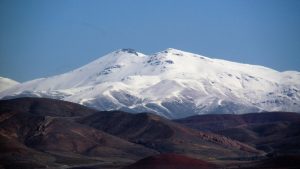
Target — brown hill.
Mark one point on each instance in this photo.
(34, 136)
(166, 136)
(170, 161)
(42, 107)
(273, 132)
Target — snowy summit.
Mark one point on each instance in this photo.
(171, 83)
(6, 83)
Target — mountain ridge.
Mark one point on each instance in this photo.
(6, 83)
(171, 83)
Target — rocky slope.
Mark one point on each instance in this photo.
(273, 132)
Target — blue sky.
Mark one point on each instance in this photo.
(40, 38)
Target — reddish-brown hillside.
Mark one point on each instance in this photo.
(272, 132)
(166, 136)
(171, 161)
(35, 133)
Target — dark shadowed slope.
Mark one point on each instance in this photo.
(166, 136)
(171, 161)
(280, 162)
(273, 132)
(43, 107)
(36, 133)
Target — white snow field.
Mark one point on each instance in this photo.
(171, 83)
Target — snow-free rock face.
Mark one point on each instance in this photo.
(171, 83)
(6, 83)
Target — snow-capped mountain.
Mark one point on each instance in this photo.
(171, 83)
(6, 83)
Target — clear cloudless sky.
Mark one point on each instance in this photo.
(40, 38)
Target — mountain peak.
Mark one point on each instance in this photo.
(171, 83)
(6, 83)
(172, 50)
(128, 50)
